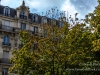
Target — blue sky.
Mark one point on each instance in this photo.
(72, 6)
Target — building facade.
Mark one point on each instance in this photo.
(13, 20)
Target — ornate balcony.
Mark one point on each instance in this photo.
(6, 44)
(8, 29)
(5, 61)
(35, 33)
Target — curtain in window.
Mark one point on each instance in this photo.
(6, 40)
(23, 26)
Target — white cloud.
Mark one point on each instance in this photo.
(70, 10)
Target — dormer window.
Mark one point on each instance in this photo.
(34, 18)
(44, 20)
(7, 11)
(22, 15)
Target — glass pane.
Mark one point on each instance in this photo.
(23, 26)
(5, 54)
(6, 39)
(21, 13)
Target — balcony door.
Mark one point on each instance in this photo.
(5, 71)
(7, 24)
(23, 26)
(35, 30)
(6, 54)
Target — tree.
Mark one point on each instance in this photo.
(60, 49)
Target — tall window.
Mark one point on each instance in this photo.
(7, 11)
(5, 71)
(33, 18)
(7, 24)
(61, 24)
(35, 30)
(45, 33)
(44, 20)
(6, 40)
(23, 26)
(6, 54)
(22, 15)
(36, 18)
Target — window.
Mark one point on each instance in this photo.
(45, 33)
(44, 20)
(22, 15)
(36, 19)
(7, 24)
(35, 30)
(6, 40)
(23, 26)
(7, 11)
(33, 18)
(6, 54)
(5, 71)
(61, 24)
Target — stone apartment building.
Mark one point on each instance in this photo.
(13, 20)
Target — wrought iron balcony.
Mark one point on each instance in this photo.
(7, 28)
(6, 44)
(5, 61)
(35, 33)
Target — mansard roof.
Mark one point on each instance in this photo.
(12, 11)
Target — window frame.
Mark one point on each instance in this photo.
(22, 15)
(6, 40)
(22, 26)
(3, 72)
(7, 11)
(35, 29)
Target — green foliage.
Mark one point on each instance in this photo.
(61, 49)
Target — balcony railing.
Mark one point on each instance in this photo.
(6, 44)
(35, 33)
(7, 28)
(5, 61)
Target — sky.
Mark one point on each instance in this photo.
(82, 7)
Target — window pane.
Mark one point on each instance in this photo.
(5, 71)
(6, 39)
(35, 29)
(21, 13)
(7, 23)
(5, 54)
(23, 26)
